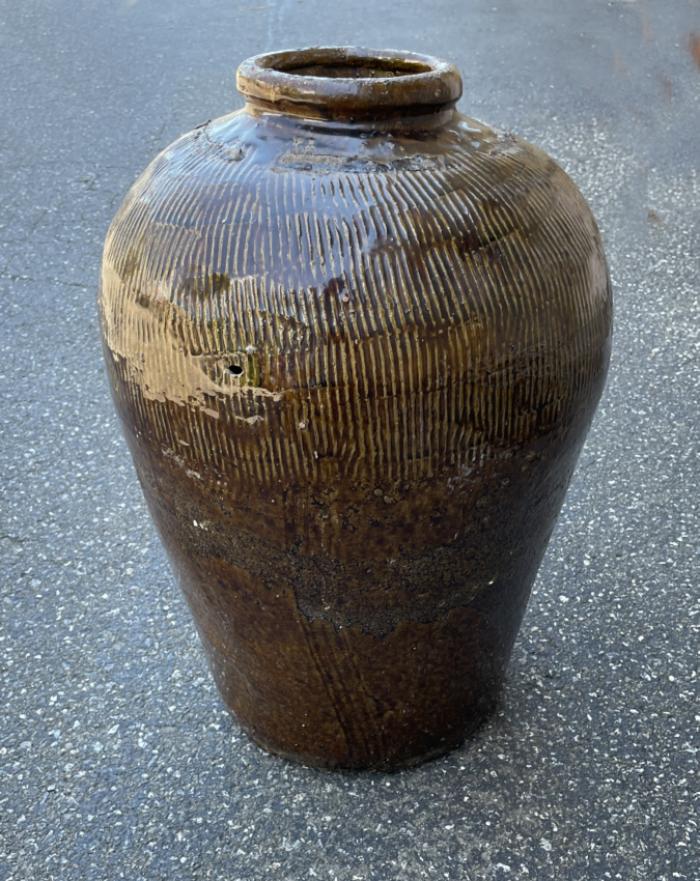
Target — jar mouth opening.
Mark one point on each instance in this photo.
(348, 81)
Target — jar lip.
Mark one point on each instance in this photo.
(349, 80)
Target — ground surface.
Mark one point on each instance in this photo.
(117, 760)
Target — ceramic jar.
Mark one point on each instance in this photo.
(356, 340)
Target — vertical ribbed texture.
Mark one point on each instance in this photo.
(391, 320)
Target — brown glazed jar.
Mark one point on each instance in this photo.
(356, 340)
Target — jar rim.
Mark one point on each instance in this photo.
(349, 81)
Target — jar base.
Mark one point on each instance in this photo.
(387, 765)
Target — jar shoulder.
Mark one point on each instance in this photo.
(243, 195)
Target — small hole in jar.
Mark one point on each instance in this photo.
(235, 369)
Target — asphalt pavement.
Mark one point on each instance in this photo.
(117, 758)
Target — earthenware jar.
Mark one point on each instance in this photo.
(356, 340)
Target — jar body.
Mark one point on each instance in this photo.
(355, 369)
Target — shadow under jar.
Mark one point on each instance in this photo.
(355, 340)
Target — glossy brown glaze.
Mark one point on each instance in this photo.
(356, 340)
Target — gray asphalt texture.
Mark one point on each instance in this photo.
(117, 758)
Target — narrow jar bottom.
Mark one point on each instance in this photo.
(405, 758)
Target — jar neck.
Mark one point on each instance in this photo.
(309, 117)
(353, 89)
